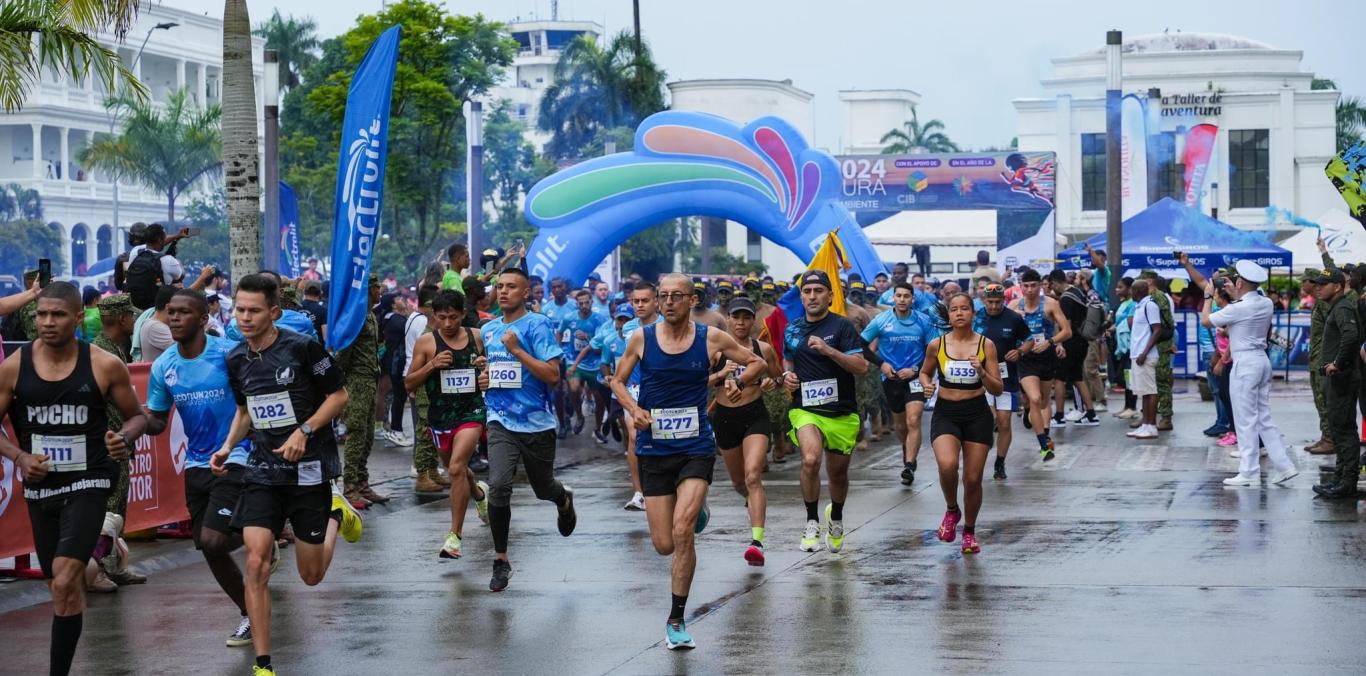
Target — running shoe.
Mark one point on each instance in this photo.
(350, 526)
(1282, 477)
(907, 475)
(1073, 415)
(834, 531)
(676, 636)
(970, 545)
(811, 536)
(1146, 432)
(703, 516)
(481, 505)
(451, 550)
(568, 518)
(948, 528)
(1230, 439)
(1059, 420)
(1000, 469)
(636, 503)
(1046, 451)
(578, 425)
(1087, 420)
(1215, 431)
(1241, 480)
(262, 671)
(754, 554)
(1024, 418)
(242, 636)
(479, 463)
(502, 572)
(274, 556)
(599, 437)
(616, 431)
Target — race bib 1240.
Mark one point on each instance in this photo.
(818, 392)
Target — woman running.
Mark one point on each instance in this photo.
(967, 368)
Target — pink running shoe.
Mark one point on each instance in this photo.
(1230, 439)
(970, 545)
(754, 555)
(948, 528)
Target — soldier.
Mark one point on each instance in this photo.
(1324, 446)
(1164, 352)
(360, 362)
(1341, 379)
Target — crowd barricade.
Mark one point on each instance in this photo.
(1288, 347)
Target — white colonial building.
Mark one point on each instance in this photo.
(533, 69)
(40, 142)
(1275, 134)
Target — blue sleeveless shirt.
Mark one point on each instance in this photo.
(673, 388)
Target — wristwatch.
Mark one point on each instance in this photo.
(307, 430)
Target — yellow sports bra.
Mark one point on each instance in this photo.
(960, 374)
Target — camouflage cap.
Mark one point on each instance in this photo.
(1148, 274)
(289, 294)
(374, 281)
(116, 304)
(1310, 274)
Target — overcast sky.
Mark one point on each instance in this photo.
(966, 59)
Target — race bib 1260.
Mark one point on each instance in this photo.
(674, 423)
(505, 375)
(457, 381)
(818, 392)
(270, 411)
(66, 453)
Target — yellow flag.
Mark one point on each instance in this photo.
(831, 259)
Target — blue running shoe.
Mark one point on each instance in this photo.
(676, 636)
(702, 518)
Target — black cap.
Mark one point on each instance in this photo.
(740, 303)
(1330, 277)
(816, 277)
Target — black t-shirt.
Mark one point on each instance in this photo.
(1073, 305)
(816, 371)
(317, 312)
(283, 386)
(1006, 331)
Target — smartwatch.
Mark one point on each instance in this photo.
(307, 430)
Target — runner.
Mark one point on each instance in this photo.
(582, 327)
(823, 355)
(455, 412)
(611, 343)
(676, 451)
(561, 313)
(54, 391)
(288, 393)
(1007, 330)
(645, 302)
(899, 336)
(961, 426)
(525, 363)
(1048, 329)
(742, 427)
(193, 374)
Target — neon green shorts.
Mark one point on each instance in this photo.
(839, 433)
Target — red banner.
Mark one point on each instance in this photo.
(1199, 148)
(156, 490)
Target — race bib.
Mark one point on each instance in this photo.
(271, 411)
(819, 392)
(66, 453)
(960, 372)
(457, 381)
(505, 375)
(1004, 369)
(915, 386)
(580, 344)
(567, 336)
(1037, 337)
(674, 423)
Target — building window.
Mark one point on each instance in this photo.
(754, 246)
(1249, 168)
(1093, 172)
(1166, 172)
(104, 243)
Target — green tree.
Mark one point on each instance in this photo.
(241, 163)
(443, 60)
(510, 167)
(208, 212)
(20, 203)
(598, 88)
(917, 138)
(64, 29)
(297, 42)
(167, 148)
(1351, 115)
(25, 235)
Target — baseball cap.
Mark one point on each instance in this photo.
(857, 285)
(624, 311)
(725, 284)
(1310, 274)
(816, 277)
(1324, 277)
(742, 303)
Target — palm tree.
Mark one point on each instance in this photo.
(241, 164)
(18, 202)
(64, 43)
(297, 42)
(166, 148)
(596, 88)
(916, 138)
(1351, 115)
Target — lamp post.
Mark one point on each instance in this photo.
(474, 174)
(271, 118)
(114, 117)
(1114, 232)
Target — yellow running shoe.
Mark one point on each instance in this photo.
(834, 531)
(451, 550)
(350, 526)
(481, 507)
(262, 671)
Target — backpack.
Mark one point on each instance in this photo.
(1093, 327)
(143, 277)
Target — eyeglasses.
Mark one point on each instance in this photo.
(674, 297)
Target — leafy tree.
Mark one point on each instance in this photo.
(598, 88)
(917, 138)
(510, 167)
(209, 212)
(65, 44)
(166, 148)
(1351, 115)
(25, 235)
(20, 203)
(297, 42)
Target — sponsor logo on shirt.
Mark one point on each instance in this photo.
(284, 375)
(322, 366)
(171, 377)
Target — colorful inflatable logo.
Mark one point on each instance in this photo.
(693, 164)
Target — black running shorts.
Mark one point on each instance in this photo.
(661, 474)
(732, 425)
(211, 499)
(265, 506)
(970, 420)
(899, 394)
(67, 525)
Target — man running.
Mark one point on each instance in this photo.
(193, 374)
(823, 356)
(288, 391)
(1007, 330)
(645, 302)
(561, 313)
(742, 426)
(525, 363)
(444, 364)
(899, 337)
(675, 439)
(1048, 329)
(611, 343)
(582, 327)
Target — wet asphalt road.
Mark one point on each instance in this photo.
(1117, 558)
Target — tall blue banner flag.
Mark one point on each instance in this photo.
(290, 264)
(360, 187)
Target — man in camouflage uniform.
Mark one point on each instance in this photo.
(1164, 352)
(360, 363)
(1324, 446)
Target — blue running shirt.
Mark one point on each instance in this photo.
(900, 341)
(199, 389)
(516, 399)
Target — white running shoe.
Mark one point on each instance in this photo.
(1240, 480)
(242, 636)
(1073, 415)
(811, 536)
(1100, 407)
(1282, 477)
(636, 503)
(1146, 432)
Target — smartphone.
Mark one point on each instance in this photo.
(44, 272)
(193, 231)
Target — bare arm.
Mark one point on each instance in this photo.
(1054, 313)
(14, 302)
(929, 367)
(156, 421)
(991, 372)
(241, 424)
(546, 371)
(625, 366)
(1197, 279)
(754, 364)
(422, 365)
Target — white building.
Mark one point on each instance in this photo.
(870, 113)
(1275, 134)
(39, 143)
(533, 69)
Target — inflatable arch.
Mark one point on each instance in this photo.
(694, 164)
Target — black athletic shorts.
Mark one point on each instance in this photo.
(1042, 366)
(661, 474)
(969, 421)
(732, 425)
(898, 393)
(212, 500)
(265, 506)
(1071, 368)
(67, 525)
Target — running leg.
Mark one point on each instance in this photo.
(462, 447)
(946, 452)
(974, 463)
(260, 543)
(217, 548)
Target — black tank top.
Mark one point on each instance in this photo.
(65, 420)
(448, 410)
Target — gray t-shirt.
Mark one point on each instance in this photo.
(155, 339)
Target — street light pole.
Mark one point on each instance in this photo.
(474, 175)
(1114, 232)
(113, 115)
(271, 84)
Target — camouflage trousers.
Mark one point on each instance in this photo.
(118, 500)
(425, 457)
(1320, 401)
(1164, 380)
(359, 417)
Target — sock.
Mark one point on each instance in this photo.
(102, 547)
(263, 661)
(1090, 413)
(676, 611)
(66, 631)
(969, 530)
(1043, 439)
(500, 521)
(811, 514)
(757, 533)
(836, 511)
(955, 509)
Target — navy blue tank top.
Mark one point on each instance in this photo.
(673, 388)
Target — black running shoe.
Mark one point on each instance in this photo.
(568, 518)
(1027, 423)
(907, 475)
(599, 437)
(502, 572)
(1059, 420)
(1000, 468)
